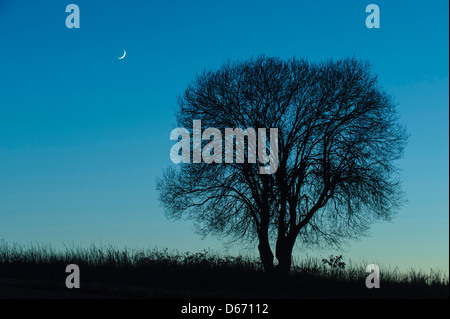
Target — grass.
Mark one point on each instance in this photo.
(160, 273)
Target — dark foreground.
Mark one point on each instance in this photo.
(49, 281)
(40, 273)
(12, 288)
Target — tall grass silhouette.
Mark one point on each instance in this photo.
(160, 273)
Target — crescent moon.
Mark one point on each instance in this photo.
(124, 54)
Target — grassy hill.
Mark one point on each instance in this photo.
(38, 271)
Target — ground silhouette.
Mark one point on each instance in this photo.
(39, 272)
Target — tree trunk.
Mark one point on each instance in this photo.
(284, 255)
(265, 253)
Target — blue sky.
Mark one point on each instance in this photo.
(83, 135)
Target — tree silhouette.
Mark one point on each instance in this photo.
(338, 140)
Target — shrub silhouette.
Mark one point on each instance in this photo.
(334, 262)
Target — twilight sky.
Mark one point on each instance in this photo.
(83, 135)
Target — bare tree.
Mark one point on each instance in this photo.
(339, 138)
